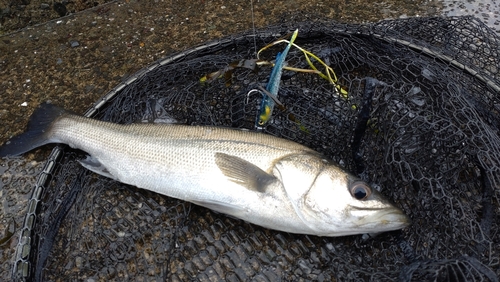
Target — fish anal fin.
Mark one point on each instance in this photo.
(221, 207)
(243, 172)
(94, 165)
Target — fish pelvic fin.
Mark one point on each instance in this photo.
(243, 172)
(37, 134)
(94, 165)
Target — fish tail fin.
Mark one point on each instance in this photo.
(37, 134)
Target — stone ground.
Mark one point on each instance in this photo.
(73, 52)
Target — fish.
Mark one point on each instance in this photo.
(262, 179)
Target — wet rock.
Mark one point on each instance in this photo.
(60, 9)
(5, 12)
(88, 88)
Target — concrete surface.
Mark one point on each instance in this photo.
(75, 59)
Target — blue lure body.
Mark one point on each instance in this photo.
(272, 87)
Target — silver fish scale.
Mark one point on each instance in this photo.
(179, 161)
(176, 146)
(259, 178)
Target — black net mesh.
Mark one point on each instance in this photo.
(420, 121)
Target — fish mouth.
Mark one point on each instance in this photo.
(394, 216)
(385, 219)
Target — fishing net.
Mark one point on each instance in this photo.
(414, 111)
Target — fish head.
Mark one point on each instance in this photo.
(342, 204)
(332, 202)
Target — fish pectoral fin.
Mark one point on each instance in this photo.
(225, 208)
(94, 165)
(243, 172)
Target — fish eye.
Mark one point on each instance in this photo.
(360, 190)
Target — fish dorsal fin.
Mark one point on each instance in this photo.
(243, 172)
(94, 165)
(156, 113)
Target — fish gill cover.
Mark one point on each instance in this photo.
(420, 119)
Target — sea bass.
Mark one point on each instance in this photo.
(265, 180)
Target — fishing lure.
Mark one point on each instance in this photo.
(270, 96)
(330, 74)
